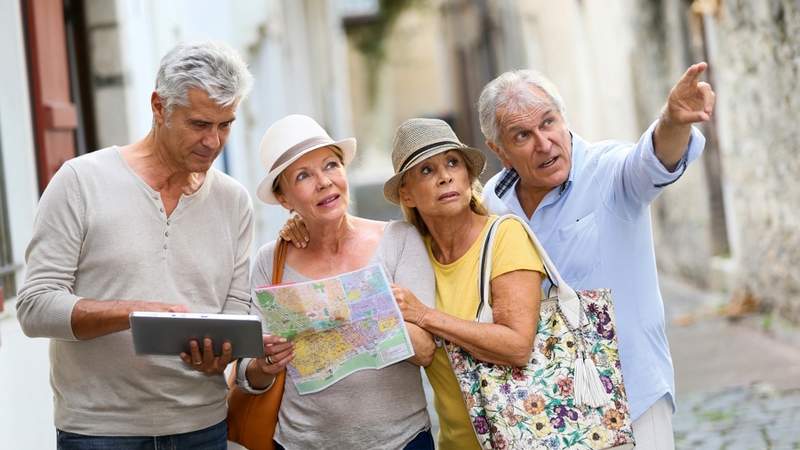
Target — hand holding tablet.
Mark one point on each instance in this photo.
(211, 339)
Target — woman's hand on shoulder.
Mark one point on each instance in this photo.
(295, 231)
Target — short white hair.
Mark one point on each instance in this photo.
(512, 92)
(213, 67)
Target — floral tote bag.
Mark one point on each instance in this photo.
(570, 395)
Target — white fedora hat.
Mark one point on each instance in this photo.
(287, 140)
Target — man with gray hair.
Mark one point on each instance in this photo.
(148, 226)
(589, 204)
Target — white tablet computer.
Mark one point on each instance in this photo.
(164, 333)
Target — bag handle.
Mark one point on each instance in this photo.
(279, 260)
(588, 388)
(568, 299)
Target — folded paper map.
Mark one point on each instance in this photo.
(339, 325)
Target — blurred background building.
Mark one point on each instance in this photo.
(77, 76)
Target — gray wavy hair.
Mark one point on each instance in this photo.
(213, 67)
(512, 92)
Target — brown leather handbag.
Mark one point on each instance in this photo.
(252, 418)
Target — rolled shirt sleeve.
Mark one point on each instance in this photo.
(639, 176)
(46, 298)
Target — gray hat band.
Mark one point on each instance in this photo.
(413, 157)
(299, 148)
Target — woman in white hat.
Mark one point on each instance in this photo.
(436, 184)
(370, 409)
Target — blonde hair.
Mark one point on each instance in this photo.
(413, 216)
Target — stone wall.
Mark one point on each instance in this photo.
(754, 51)
(759, 77)
(681, 214)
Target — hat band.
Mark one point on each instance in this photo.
(299, 148)
(414, 156)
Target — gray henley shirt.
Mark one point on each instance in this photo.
(101, 232)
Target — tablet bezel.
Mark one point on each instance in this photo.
(164, 333)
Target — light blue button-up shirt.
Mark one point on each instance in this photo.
(596, 229)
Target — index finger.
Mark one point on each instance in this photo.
(277, 348)
(296, 234)
(270, 339)
(693, 73)
(302, 228)
(298, 228)
(194, 350)
(208, 351)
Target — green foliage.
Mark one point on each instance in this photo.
(369, 38)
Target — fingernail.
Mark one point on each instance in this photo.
(282, 340)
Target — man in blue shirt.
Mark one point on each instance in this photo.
(589, 205)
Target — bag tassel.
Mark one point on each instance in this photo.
(588, 388)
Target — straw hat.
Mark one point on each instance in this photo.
(286, 141)
(417, 140)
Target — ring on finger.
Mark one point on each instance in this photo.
(269, 360)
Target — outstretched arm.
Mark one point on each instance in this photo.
(660, 157)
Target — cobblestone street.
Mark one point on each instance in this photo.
(738, 388)
(749, 417)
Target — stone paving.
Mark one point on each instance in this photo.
(738, 387)
(755, 417)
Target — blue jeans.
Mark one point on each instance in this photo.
(214, 437)
(423, 441)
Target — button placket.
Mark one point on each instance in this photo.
(160, 206)
(166, 233)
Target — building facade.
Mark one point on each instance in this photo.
(79, 74)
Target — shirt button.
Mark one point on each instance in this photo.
(161, 209)
(165, 246)
(166, 234)
(168, 223)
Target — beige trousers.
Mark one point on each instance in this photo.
(653, 429)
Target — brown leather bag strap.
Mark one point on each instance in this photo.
(279, 260)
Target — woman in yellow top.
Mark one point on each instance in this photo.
(436, 184)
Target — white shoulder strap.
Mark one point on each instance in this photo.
(567, 298)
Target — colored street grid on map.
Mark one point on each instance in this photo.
(339, 325)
